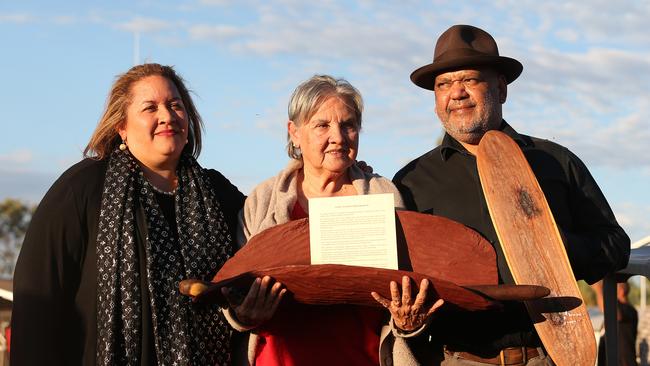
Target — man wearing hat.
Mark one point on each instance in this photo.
(469, 79)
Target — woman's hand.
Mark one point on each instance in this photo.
(364, 166)
(260, 303)
(408, 316)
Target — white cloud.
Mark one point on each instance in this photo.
(21, 156)
(566, 34)
(582, 85)
(633, 218)
(215, 2)
(95, 17)
(621, 23)
(144, 25)
(214, 32)
(592, 98)
(18, 18)
(64, 19)
(594, 102)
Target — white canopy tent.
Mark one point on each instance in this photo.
(7, 295)
(642, 283)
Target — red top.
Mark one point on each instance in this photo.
(320, 335)
(298, 212)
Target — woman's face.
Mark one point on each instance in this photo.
(156, 126)
(330, 139)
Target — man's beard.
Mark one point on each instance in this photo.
(472, 131)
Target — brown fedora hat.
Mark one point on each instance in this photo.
(462, 46)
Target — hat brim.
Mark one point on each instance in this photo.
(425, 76)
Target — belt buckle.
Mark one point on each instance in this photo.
(524, 356)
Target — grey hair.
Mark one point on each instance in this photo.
(311, 94)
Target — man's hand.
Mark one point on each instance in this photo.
(408, 316)
(260, 303)
(364, 166)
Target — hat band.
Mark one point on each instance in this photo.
(460, 53)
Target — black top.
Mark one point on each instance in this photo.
(54, 319)
(445, 182)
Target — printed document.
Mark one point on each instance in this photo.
(353, 230)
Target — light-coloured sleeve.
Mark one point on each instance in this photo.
(401, 334)
(395, 351)
(257, 213)
(230, 316)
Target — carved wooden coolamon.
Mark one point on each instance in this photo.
(459, 263)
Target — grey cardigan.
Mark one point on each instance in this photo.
(271, 202)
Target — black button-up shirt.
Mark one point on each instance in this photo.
(445, 182)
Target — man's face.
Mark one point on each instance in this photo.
(468, 102)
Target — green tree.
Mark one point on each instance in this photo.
(634, 296)
(14, 220)
(588, 294)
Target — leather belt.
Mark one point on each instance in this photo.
(507, 356)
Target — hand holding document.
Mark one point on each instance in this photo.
(353, 230)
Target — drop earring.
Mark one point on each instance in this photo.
(123, 146)
(296, 152)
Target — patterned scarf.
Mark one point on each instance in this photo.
(185, 334)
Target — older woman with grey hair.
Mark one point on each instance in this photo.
(323, 141)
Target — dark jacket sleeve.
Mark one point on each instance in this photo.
(596, 244)
(45, 281)
(230, 198)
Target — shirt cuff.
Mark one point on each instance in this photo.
(230, 316)
(404, 334)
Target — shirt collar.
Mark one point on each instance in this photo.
(450, 145)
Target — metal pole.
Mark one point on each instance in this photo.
(642, 292)
(136, 48)
(611, 321)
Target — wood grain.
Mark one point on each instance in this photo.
(446, 252)
(329, 284)
(445, 249)
(534, 250)
(459, 263)
(427, 244)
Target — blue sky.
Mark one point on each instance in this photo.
(585, 84)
